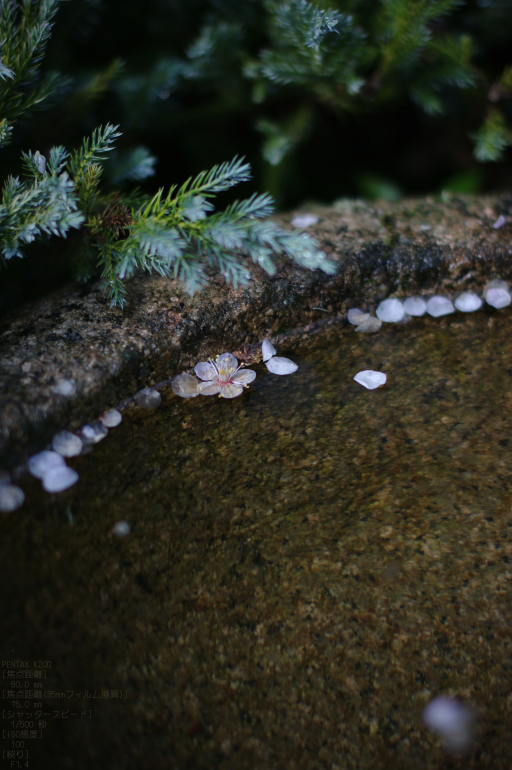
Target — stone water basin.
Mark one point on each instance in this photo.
(309, 565)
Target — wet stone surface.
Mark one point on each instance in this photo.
(66, 359)
(307, 565)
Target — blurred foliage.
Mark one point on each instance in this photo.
(326, 99)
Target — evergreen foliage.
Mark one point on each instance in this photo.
(174, 234)
(281, 64)
(25, 29)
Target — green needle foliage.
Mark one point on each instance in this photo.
(175, 234)
(350, 55)
(25, 30)
(47, 202)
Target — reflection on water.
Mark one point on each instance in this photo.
(309, 564)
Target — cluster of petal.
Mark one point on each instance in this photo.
(223, 377)
(51, 468)
(276, 364)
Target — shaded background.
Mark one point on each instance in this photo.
(125, 62)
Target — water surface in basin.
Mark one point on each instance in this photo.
(309, 565)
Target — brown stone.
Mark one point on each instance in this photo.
(382, 248)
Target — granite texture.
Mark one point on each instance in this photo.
(381, 249)
(308, 566)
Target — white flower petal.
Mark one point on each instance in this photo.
(453, 721)
(112, 418)
(279, 365)
(67, 444)
(304, 220)
(230, 390)
(59, 479)
(65, 387)
(438, 306)
(208, 388)
(11, 497)
(467, 302)
(41, 463)
(205, 371)
(356, 316)
(268, 350)
(370, 325)
(415, 306)
(185, 385)
(497, 283)
(498, 298)
(390, 311)
(121, 529)
(244, 376)
(91, 434)
(371, 379)
(226, 364)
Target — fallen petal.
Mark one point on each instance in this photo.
(112, 418)
(121, 529)
(185, 385)
(230, 389)
(370, 325)
(91, 434)
(498, 297)
(39, 465)
(467, 302)
(67, 444)
(439, 305)
(279, 365)
(304, 220)
(208, 388)
(11, 497)
(244, 376)
(148, 398)
(415, 306)
(268, 350)
(356, 316)
(496, 283)
(205, 371)
(390, 311)
(453, 721)
(227, 364)
(65, 387)
(370, 379)
(59, 479)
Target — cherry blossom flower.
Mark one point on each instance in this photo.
(223, 376)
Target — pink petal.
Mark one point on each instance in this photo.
(244, 376)
(208, 388)
(205, 370)
(227, 365)
(230, 390)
